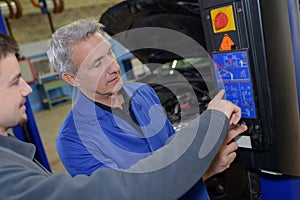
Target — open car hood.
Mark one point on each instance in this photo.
(178, 15)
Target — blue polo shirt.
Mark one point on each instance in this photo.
(92, 137)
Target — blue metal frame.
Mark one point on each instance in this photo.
(295, 32)
(2, 24)
(279, 187)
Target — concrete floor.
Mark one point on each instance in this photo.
(48, 123)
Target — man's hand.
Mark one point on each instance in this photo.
(232, 111)
(226, 154)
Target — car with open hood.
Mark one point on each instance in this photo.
(177, 73)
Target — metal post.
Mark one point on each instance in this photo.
(285, 186)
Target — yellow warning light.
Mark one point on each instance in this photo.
(223, 19)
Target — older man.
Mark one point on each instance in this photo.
(112, 123)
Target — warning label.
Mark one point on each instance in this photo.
(227, 44)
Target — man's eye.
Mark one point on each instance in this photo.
(110, 53)
(98, 64)
(16, 82)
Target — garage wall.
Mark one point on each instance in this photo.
(34, 26)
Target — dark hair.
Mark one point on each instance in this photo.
(7, 45)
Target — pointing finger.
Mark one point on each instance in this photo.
(220, 94)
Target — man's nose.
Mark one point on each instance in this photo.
(26, 89)
(113, 66)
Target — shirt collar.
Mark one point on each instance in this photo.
(12, 143)
(86, 109)
(125, 104)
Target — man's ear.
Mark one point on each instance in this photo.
(70, 78)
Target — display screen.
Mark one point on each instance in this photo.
(233, 75)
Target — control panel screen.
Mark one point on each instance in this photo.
(233, 74)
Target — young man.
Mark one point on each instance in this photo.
(112, 124)
(22, 178)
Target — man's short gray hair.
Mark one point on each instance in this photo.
(60, 49)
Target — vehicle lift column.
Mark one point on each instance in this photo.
(285, 186)
(264, 36)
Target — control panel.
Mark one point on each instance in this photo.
(233, 74)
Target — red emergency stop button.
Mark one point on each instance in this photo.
(221, 21)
